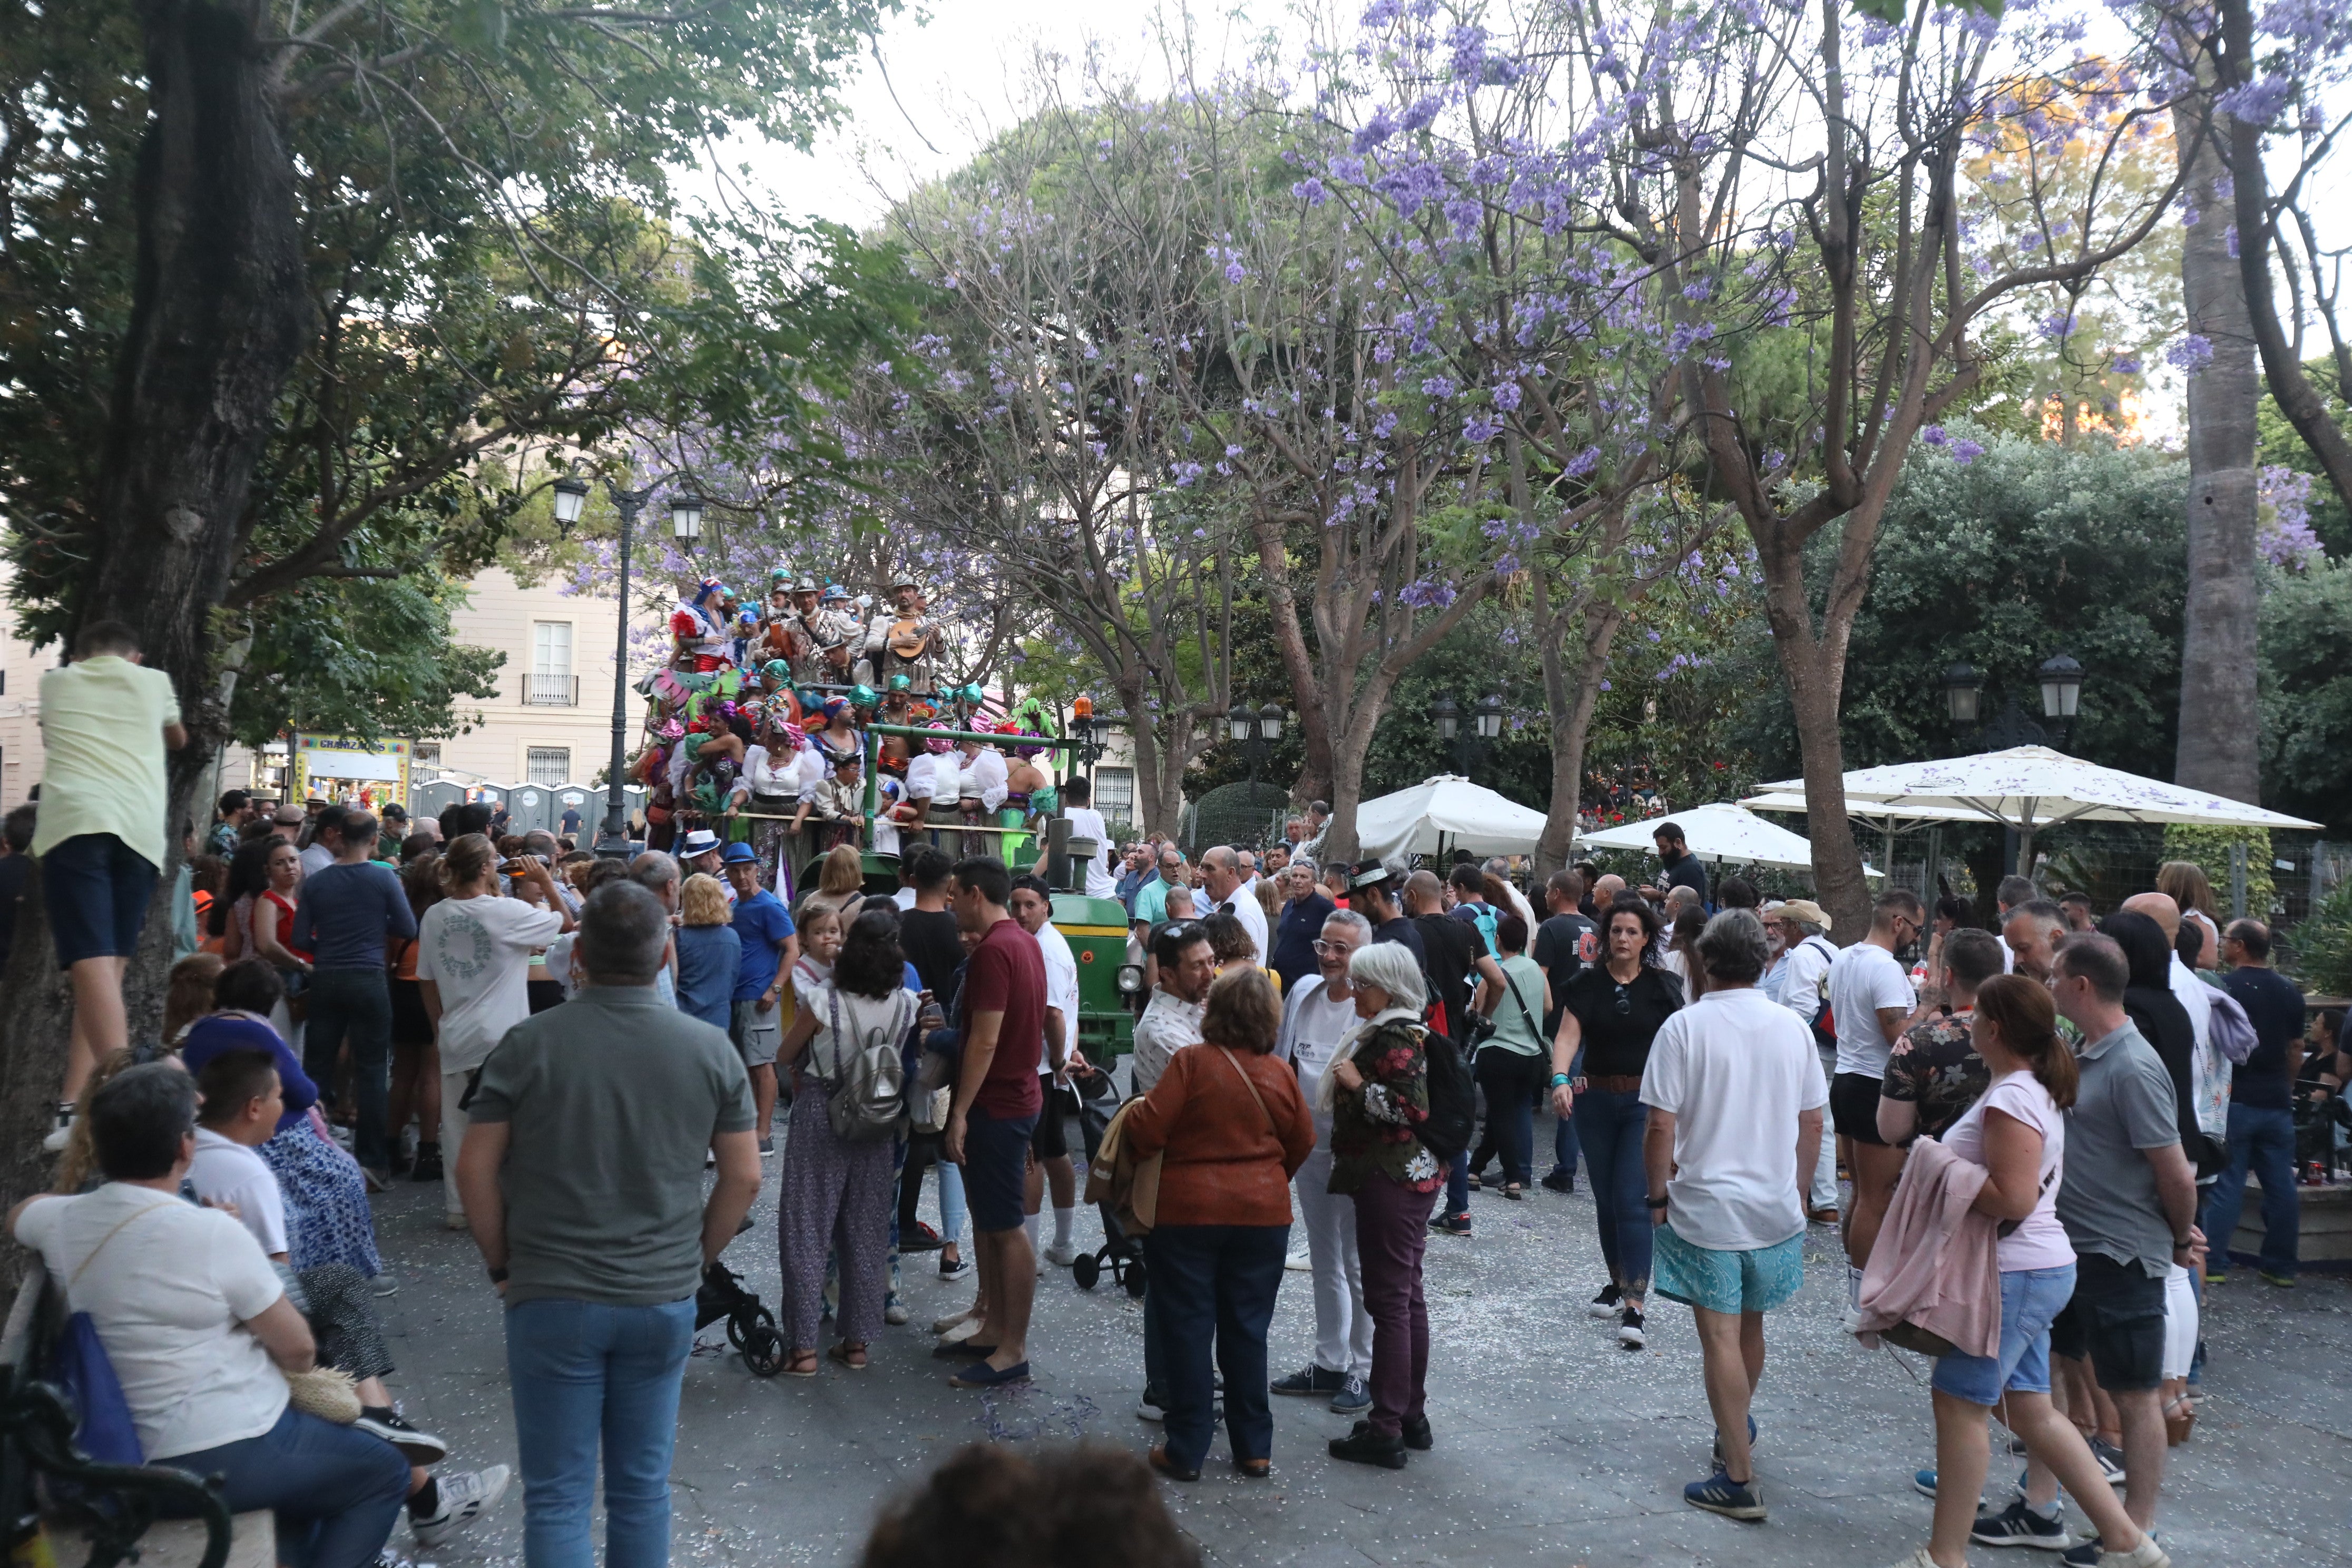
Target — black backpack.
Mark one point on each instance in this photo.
(1452, 1099)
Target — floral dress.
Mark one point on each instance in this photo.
(1374, 1130)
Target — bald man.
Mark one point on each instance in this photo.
(1605, 890)
(2197, 1000)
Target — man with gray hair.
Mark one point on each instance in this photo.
(2031, 932)
(1318, 1013)
(1228, 880)
(1734, 1097)
(582, 1175)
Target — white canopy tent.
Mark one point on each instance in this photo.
(2031, 787)
(1721, 833)
(1888, 820)
(1441, 815)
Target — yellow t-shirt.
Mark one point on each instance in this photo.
(102, 723)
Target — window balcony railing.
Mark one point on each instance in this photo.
(550, 690)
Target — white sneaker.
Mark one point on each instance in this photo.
(55, 1141)
(454, 1221)
(2146, 1554)
(942, 1325)
(1298, 1263)
(961, 1333)
(895, 1314)
(1061, 1257)
(465, 1498)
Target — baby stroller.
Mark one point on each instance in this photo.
(750, 1327)
(1120, 1254)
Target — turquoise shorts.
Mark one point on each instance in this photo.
(1756, 1281)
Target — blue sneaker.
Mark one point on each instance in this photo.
(1923, 1482)
(1720, 1494)
(1353, 1398)
(1714, 1455)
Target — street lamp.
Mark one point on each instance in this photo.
(570, 500)
(613, 837)
(686, 518)
(2061, 692)
(1962, 688)
(1470, 749)
(1256, 731)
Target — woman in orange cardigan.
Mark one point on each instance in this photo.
(1232, 1130)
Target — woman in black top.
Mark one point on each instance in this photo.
(2161, 1020)
(1611, 1012)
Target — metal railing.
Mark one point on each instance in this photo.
(550, 690)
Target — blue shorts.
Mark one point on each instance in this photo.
(1755, 1280)
(2030, 1300)
(996, 1168)
(98, 890)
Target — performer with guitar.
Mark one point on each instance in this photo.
(901, 640)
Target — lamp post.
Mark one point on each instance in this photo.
(1256, 731)
(2061, 680)
(1486, 724)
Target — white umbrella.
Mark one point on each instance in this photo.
(2028, 787)
(1445, 813)
(1720, 831)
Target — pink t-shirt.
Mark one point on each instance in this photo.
(2040, 1241)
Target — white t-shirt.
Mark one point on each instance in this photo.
(169, 1294)
(1800, 986)
(904, 898)
(1085, 821)
(1169, 1025)
(1244, 908)
(1061, 991)
(2039, 1241)
(1313, 1024)
(228, 1173)
(1863, 979)
(1735, 1070)
(315, 860)
(478, 950)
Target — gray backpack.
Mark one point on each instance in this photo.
(866, 1089)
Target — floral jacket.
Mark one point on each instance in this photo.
(1373, 1129)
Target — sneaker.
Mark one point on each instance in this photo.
(384, 1284)
(2090, 1554)
(1919, 1559)
(767, 1148)
(1628, 1329)
(2216, 1275)
(1365, 1447)
(1604, 1306)
(454, 1221)
(1559, 1181)
(418, 1448)
(2111, 1460)
(1923, 1482)
(1353, 1399)
(942, 1325)
(2283, 1281)
(1148, 1407)
(954, 1268)
(2018, 1525)
(427, 1167)
(923, 1238)
(895, 1314)
(1452, 1224)
(1720, 1494)
(1716, 1453)
(960, 1333)
(1418, 1436)
(1309, 1381)
(1298, 1263)
(465, 1498)
(1061, 1256)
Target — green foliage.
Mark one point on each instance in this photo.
(2321, 946)
(2277, 442)
(2306, 692)
(360, 657)
(2032, 548)
(2207, 849)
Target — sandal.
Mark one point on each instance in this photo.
(801, 1364)
(849, 1355)
(1511, 1190)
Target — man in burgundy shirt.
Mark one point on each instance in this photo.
(997, 1104)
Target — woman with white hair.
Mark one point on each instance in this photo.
(1376, 1092)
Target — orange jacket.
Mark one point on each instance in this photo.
(1224, 1160)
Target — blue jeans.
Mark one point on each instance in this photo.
(1610, 1122)
(582, 1370)
(2261, 1141)
(1214, 1282)
(1565, 1145)
(2031, 1301)
(336, 1491)
(357, 1002)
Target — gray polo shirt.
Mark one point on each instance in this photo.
(2107, 1200)
(611, 1100)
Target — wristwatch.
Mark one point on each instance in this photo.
(1657, 1203)
(498, 1275)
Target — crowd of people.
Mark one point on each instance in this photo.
(1352, 1046)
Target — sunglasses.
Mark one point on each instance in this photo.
(1625, 1003)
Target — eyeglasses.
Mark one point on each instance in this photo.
(1324, 949)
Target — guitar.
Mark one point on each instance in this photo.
(909, 637)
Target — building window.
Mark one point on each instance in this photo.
(548, 766)
(1115, 793)
(428, 753)
(551, 683)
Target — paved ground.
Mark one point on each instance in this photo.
(1554, 1446)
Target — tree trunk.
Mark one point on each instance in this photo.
(2220, 740)
(1347, 754)
(1571, 707)
(1314, 780)
(219, 314)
